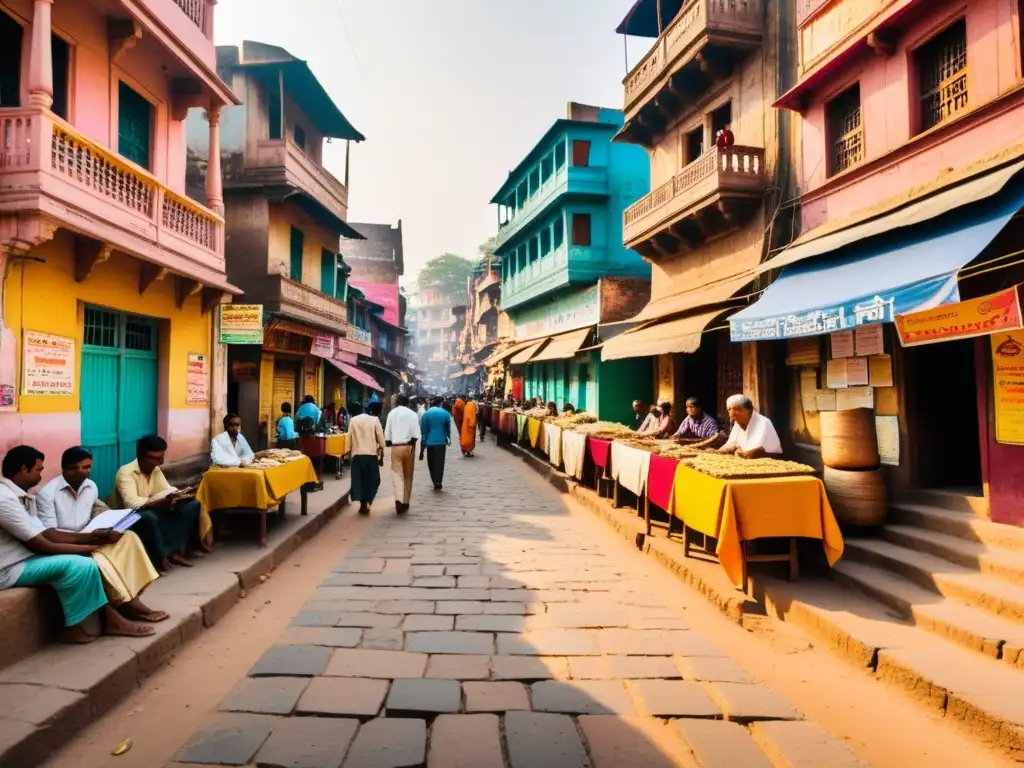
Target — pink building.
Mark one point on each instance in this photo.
(911, 129)
(103, 255)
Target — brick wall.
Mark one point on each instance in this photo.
(623, 297)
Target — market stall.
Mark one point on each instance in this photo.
(258, 487)
(319, 447)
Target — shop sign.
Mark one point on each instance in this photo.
(241, 323)
(196, 378)
(964, 320)
(323, 345)
(361, 336)
(566, 313)
(1008, 386)
(49, 365)
(849, 315)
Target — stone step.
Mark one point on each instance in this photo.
(942, 577)
(957, 682)
(960, 524)
(970, 501)
(961, 624)
(1001, 563)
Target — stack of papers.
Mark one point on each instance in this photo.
(118, 519)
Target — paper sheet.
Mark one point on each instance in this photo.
(835, 374)
(842, 344)
(869, 340)
(881, 371)
(118, 519)
(855, 397)
(888, 430)
(809, 389)
(827, 400)
(857, 372)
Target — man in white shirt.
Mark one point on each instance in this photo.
(366, 449)
(402, 433)
(753, 436)
(230, 448)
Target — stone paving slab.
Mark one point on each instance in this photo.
(495, 635)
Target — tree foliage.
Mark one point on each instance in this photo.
(448, 273)
(486, 249)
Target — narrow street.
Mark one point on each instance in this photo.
(500, 624)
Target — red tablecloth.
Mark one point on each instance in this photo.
(599, 452)
(495, 420)
(660, 479)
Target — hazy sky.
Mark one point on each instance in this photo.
(450, 95)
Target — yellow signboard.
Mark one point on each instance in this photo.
(966, 319)
(1008, 386)
(241, 323)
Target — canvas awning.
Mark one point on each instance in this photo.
(526, 355)
(708, 294)
(506, 353)
(563, 346)
(674, 336)
(355, 373)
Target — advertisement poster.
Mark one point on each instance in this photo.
(842, 344)
(196, 376)
(964, 320)
(323, 345)
(241, 323)
(888, 430)
(1008, 386)
(49, 365)
(857, 372)
(869, 340)
(835, 374)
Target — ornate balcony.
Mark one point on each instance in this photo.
(699, 47)
(709, 198)
(575, 180)
(300, 302)
(279, 162)
(554, 270)
(50, 172)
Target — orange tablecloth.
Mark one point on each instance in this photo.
(231, 487)
(533, 426)
(336, 445)
(734, 511)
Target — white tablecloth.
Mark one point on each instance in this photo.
(574, 448)
(553, 443)
(630, 466)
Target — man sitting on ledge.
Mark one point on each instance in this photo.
(90, 572)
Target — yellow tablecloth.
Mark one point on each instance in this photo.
(734, 511)
(533, 426)
(336, 445)
(230, 487)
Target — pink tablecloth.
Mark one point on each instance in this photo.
(599, 452)
(660, 480)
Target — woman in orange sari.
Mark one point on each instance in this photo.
(458, 409)
(467, 432)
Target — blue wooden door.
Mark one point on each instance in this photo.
(119, 388)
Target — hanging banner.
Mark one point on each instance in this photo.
(323, 345)
(964, 320)
(49, 365)
(241, 323)
(1008, 386)
(196, 377)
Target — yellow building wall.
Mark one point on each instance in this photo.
(283, 216)
(45, 297)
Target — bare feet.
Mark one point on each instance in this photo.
(76, 635)
(139, 611)
(181, 560)
(164, 566)
(116, 624)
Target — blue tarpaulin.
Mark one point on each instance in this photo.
(891, 275)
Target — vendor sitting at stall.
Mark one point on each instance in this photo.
(661, 425)
(568, 409)
(697, 423)
(286, 427)
(230, 448)
(753, 436)
(308, 410)
(649, 424)
(640, 418)
(552, 409)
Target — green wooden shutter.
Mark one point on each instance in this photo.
(134, 117)
(295, 262)
(328, 270)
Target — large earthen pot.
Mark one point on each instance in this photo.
(848, 439)
(857, 497)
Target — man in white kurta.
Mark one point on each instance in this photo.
(230, 448)
(402, 432)
(753, 436)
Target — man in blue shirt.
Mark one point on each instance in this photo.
(308, 410)
(436, 429)
(286, 426)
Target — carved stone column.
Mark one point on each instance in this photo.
(214, 182)
(40, 67)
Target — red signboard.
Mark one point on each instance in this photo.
(385, 294)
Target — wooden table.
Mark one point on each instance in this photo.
(244, 489)
(320, 446)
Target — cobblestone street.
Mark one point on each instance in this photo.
(484, 629)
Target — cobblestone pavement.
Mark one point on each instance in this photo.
(484, 630)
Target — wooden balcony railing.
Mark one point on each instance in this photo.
(195, 10)
(281, 161)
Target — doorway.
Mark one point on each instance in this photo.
(120, 372)
(943, 406)
(286, 374)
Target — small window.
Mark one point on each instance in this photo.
(845, 130)
(581, 229)
(328, 271)
(296, 245)
(545, 241)
(942, 76)
(533, 250)
(534, 181)
(274, 113)
(581, 153)
(100, 328)
(11, 34)
(559, 233)
(300, 138)
(559, 155)
(721, 118)
(134, 126)
(138, 334)
(693, 145)
(60, 53)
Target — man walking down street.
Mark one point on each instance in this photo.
(401, 434)
(436, 429)
(366, 447)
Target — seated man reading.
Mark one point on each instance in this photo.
(97, 571)
(753, 436)
(168, 525)
(230, 448)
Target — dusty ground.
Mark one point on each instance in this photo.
(881, 725)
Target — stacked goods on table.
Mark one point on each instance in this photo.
(604, 430)
(728, 467)
(640, 442)
(853, 475)
(573, 421)
(275, 457)
(686, 448)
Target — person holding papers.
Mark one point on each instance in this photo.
(97, 570)
(168, 521)
(230, 448)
